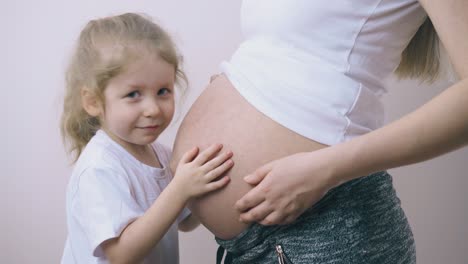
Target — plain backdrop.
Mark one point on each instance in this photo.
(37, 38)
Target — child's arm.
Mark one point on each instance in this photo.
(195, 175)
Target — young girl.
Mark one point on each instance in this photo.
(122, 201)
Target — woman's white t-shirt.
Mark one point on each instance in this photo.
(317, 67)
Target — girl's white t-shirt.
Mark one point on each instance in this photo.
(108, 189)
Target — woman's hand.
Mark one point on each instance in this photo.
(285, 188)
(197, 173)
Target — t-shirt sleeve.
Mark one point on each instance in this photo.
(104, 205)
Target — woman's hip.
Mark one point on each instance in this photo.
(360, 221)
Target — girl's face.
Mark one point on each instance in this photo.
(139, 102)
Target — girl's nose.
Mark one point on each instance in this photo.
(151, 109)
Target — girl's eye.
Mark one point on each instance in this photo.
(163, 91)
(134, 94)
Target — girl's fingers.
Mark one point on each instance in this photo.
(217, 184)
(217, 161)
(215, 173)
(189, 155)
(207, 154)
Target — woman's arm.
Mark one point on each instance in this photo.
(437, 127)
(195, 175)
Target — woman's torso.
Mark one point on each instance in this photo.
(220, 114)
(306, 76)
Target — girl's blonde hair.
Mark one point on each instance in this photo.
(104, 48)
(421, 58)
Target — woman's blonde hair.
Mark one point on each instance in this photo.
(421, 58)
(104, 49)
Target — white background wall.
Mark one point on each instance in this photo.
(36, 40)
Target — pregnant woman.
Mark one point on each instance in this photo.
(298, 103)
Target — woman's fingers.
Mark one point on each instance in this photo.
(256, 177)
(267, 214)
(251, 199)
(275, 218)
(256, 214)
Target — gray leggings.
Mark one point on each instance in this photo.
(360, 221)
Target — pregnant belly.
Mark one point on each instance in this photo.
(221, 115)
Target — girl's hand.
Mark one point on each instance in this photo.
(197, 173)
(285, 188)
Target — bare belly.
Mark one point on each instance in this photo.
(222, 115)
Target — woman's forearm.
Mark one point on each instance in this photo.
(438, 127)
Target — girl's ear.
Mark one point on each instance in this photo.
(90, 103)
